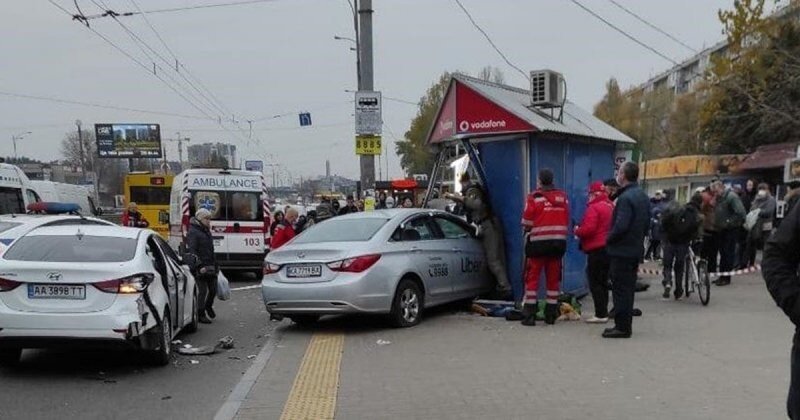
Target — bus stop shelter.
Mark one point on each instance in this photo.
(509, 141)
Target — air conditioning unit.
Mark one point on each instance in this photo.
(547, 89)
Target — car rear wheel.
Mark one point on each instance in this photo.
(10, 357)
(305, 320)
(407, 305)
(192, 327)
(161, 355)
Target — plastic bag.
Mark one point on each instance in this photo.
(223, 287)
(751, 219)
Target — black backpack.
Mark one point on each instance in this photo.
(680, 223)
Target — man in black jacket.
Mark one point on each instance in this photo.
(200, 244)
(625, 246)
(780, 267)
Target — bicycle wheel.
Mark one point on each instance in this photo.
(704, 283)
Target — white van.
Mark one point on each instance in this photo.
(15, 192)
(240, 214)
(59, 192)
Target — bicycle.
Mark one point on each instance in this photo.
(696, 275)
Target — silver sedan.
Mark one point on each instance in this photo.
(395, 262)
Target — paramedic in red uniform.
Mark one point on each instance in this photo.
(284, 232)
(545, 221)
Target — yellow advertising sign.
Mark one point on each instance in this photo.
(368, 145)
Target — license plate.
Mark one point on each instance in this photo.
(57, 291)
(304, 271)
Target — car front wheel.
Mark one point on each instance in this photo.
(407, 305)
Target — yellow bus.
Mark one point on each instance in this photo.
(151, 194)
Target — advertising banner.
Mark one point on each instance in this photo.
(128, 140)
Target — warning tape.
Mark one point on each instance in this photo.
(749, 270)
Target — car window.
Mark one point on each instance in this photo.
(168, 251)
(11, 201)
(342, 230)
(451, 229)
(422, 226)
(72, 248)
(32, 196)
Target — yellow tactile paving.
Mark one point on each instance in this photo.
(313, 395)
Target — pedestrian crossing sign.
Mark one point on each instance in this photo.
(368, 145)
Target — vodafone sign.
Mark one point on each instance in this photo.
(478, 115)
(466, 111)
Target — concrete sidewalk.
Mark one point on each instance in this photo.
(729, 360)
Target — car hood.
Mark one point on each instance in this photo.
(317, 252)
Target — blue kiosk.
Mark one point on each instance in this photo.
(508, 140)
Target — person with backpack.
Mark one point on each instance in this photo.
(657, 204)
(681, 225)
(729, 215)
(592, 233)
(545, 221)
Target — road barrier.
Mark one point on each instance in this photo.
(749, 270)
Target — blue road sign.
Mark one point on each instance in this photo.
(305, 119)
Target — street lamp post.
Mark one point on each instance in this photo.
(14, 139)
(80, 144)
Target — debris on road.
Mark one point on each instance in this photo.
(194, 362)
(252, 356)
(166, 397)
(226, 343)
(383, 342)
(176, 342)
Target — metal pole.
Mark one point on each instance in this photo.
(14, 140)
(367, 162)
(80, 143)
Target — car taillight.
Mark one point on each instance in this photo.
(132, 284)
(6, 284)
(354, 265)
(270, 268)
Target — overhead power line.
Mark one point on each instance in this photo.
(488, 38)
(175, 9)
(95, 105)
(621, 31)
(646, 22)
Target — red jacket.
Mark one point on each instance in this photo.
(546, 217)
(596, 223)
(134, 220)
(284, 232)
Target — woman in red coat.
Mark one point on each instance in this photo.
(592, 233)
(284, 232)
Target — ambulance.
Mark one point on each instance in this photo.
(239, 209)
(15, 190)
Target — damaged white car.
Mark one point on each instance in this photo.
(88, 285)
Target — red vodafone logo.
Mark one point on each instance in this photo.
(465, 125)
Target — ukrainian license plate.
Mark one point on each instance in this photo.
(57, 291)
(304, 271)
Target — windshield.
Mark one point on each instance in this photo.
(72, 248)
(241, 206)
(342, 230)
(11, 201)
(150, 195)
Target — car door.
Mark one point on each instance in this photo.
(180, 280)
(430, 255)
(467, 254)
(167, 278)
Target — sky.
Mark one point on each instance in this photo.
(281, 58)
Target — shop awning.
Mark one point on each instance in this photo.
(770, 156)
(476, 108)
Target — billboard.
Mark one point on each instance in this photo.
(128, 140)
(254, 165)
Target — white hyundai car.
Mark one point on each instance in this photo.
(88, 285)
(12, 226)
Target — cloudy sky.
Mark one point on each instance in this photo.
(280, 57)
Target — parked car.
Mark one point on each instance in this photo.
(395, 262)
(12, 226)
(93, 284)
